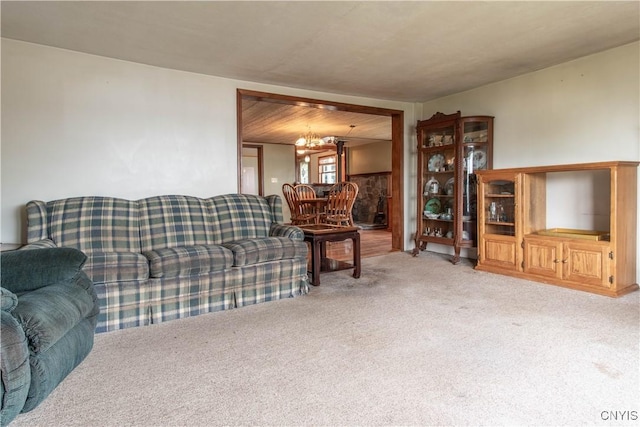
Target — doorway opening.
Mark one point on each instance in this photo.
(395, 209)
(252, 170)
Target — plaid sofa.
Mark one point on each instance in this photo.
(169, 257)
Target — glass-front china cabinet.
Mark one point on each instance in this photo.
(450, 149)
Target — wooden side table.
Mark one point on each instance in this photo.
(317, 235)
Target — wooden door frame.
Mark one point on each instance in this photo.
(397, 145)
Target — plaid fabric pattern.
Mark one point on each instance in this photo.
(95, 224)
(116, 266)
(275, 204)
(122, 305)
(176, 240)
(36, 221)
(253, 251)
(288, 231)
(239, 216)
(39, 244)
(179, 297)
(272, 281)
(188, 260)
(173, 221)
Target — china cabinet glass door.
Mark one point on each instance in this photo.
(477, 153)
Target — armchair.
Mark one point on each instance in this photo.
(49, 314)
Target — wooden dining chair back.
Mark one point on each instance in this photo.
(289, 193)
(339, 208)
(307, 210)
(305, 191)
(298, 217)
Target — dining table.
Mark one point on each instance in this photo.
(317, 203)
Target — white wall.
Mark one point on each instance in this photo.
(279, 166)
(76, 124)
(587, 110)
(369, 158)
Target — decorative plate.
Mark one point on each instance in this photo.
(436, 162)
(449, 186)
(479, 159)
(433, 206)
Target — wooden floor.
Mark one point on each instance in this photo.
(372, 243)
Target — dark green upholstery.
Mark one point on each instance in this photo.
(24, 271)
(49, 315)
(16, 373)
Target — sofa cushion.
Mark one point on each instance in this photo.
(188, 260)
(95, 224)
(9, 299)
(24, 271)
(48, 313)
(174, 221)
(236, 217)
(265, 249)
(116, 266)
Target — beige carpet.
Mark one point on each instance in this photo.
(414, 341)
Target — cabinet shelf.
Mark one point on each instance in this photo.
(437, 219)
(436, 239)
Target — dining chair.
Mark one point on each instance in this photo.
(298, 217)
(305, 191)
(339, 207)
(308, 202)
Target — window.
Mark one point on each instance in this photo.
(327, 169)
(304, 172)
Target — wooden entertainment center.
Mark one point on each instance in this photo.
(521, 234)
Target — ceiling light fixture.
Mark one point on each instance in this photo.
(336, 139)
(309, 140)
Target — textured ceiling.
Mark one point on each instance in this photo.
(405, 51)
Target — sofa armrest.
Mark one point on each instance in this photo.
(24, 271)
(40, 244)
(9, 300)
(290, 231)
(16, 373)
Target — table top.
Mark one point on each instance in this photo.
(313, 200)
(326, 228)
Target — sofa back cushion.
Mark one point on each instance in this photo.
(240, 216)
(89, 224)
(172, 221)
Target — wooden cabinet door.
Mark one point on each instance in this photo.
(543, 257)
(586, 263)
(499, 251)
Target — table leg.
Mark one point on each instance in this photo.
(356, 256)
(316, 262)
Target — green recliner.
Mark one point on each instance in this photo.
(49, 315)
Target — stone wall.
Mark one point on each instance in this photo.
(370, 188)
